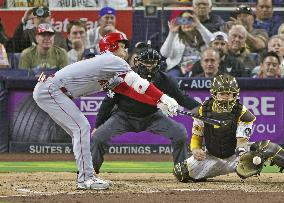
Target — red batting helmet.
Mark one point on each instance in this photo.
(110, 42)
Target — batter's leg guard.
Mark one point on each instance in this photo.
(270, 151)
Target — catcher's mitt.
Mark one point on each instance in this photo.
(246, 168)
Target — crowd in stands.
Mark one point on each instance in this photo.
(199, 42)
(120, 3)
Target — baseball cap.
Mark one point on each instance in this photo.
(107, 10)
(243, 9)
(219, 36)
(44, 28)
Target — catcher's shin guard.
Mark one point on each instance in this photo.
(270, 151)
(181, 171)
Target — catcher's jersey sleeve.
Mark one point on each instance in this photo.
(198, 125)
(197, 130)
(245, 123)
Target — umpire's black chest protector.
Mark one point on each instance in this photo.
(221, 142)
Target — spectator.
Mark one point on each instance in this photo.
(77, 36)
(202, 9)
(256, 38)
(114, 3)
(281, 30)
(229, 64)
(4, 63)
(27, 3)
(72, 3)
(210, 61)
(236, 40)
(270, 66)
(276, 45)
(3, 35)
(183, 44)
(45, 54)
(264, 17)
(107, 22)
(24, 37)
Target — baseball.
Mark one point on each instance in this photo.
(256, 160)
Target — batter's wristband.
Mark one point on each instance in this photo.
(153, 92)
(126, 90)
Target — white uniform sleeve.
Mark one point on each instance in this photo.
(198, 127)
(114, 64)
(139, 84)
(244, 129)
(205, 33)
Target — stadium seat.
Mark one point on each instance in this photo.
(8, 72)
(14, 59)
(37, 71)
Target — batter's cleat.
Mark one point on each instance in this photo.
(93, 184)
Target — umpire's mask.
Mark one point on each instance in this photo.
(147, 63)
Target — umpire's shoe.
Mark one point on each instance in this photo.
(93, 184)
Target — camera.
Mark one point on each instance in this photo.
(41, 12)
(184, 21)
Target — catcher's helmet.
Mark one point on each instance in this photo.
(147, 62)
(110, 42)
(224, 84)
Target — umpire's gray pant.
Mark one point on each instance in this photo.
(157, 123)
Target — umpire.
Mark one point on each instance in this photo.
(119, 114)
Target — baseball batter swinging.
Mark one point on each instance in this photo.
(105, 71)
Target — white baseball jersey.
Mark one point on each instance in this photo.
(80, 78)
(86, 76)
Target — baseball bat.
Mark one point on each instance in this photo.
(211, 121)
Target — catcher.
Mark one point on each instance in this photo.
(226, 147)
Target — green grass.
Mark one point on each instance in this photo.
(109, 166)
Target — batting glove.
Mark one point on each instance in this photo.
(168, 105)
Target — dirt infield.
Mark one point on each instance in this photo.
(60, 187)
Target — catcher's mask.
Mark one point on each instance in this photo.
(147, 62)
(224, 84)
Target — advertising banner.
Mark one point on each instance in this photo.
(61, 18)
(29, 123)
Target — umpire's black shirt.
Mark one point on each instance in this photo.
(165, 83)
